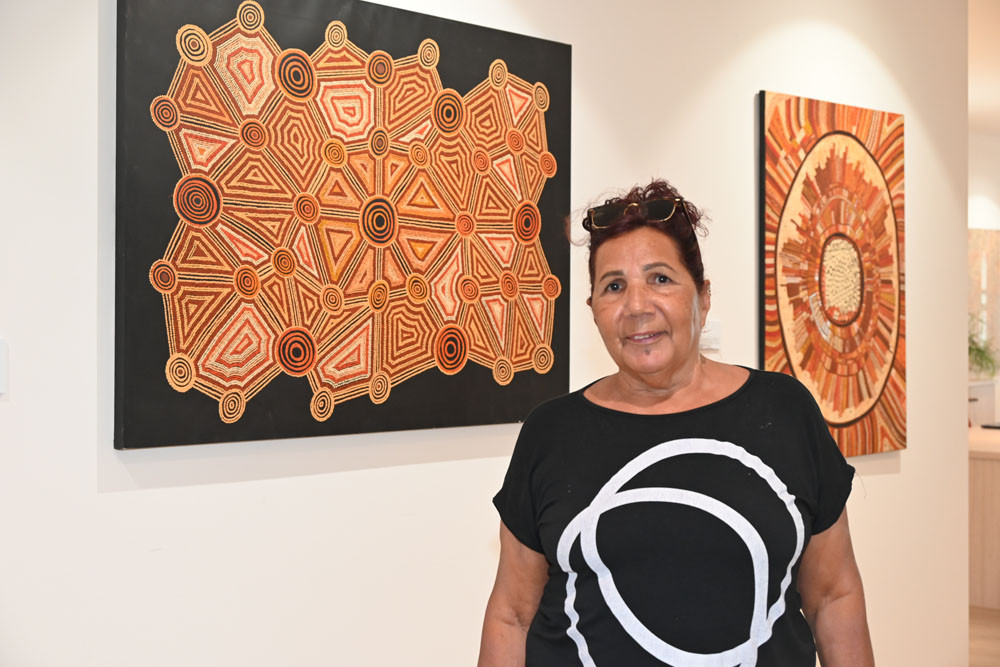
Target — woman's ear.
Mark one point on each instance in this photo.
(705, 301)
(590, 302)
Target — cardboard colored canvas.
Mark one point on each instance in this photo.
(832, 249)
(335, 218)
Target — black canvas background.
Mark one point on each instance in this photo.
(148, 412)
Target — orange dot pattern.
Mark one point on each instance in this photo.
(833, 171)
(165, 113)
(296, 351)
(253, 134)
(246, 281)
(197, 200)
(345, 218)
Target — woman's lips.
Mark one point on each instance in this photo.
(645, 337)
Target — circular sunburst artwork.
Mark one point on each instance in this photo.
(833, 291)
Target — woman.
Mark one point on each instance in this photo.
(718, 491)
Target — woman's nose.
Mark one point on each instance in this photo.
(638, 299)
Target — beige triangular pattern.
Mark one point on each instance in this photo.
(362, 276)
(496, 317)
(351, 359)
(422, 200)
(338, 240)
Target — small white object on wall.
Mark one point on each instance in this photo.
(711, 336)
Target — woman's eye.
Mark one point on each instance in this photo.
(661, 279)
(613, 287)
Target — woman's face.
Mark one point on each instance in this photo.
(646, 305)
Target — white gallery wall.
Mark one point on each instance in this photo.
(380, 549)
(984, 180)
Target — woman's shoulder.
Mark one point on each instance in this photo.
(783, 392)
(783, 383)
(556, 409)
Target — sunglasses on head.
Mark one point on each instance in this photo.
(657, 210)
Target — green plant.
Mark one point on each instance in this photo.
(982, 356)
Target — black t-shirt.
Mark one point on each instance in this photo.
(674, 539)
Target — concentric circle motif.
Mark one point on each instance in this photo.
(503, 372)
(379, 387)
(250, 16)
(760, 618)
(321, 405)
(508, 285)
(449, 111)
(379, 143)
(515, 141)
(451, 349)
(336, 35)
(468, 289)
(378, 221)
(332, 299)
(163, 276)
(418, 154)
(379, 68)
(197, 200)
(841, 281)
(481, 161)
(296, 351)
(378, 295)
(527, 222)
(253, 134)
(498, 74)
(465, 224)
(231, 406)
(547, 163)
(307, 207)
(165, 113)
(417, 288)
(246, 281)
(551, 287)
(541, 95)
(842, 344)
(283, 262)
(194, 45)
(295, 74)
(335, 152)
(542, 358)
(180, 372)
(428, 53)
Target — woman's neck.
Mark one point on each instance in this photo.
(689, 387)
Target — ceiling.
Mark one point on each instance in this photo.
(984, 66)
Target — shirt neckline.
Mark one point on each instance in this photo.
(714, 404)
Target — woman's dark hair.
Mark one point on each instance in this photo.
(683, 229)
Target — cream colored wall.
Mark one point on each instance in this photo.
(380, 549)
(984, 180)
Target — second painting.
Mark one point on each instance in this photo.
(833, 289)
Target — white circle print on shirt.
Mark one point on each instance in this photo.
(584, 527)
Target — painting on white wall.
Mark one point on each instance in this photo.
(833, 289)
(335, 218)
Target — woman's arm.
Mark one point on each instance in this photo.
(521, 576)
(833, 599)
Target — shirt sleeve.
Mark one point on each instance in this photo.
(834, 475)
(516, 500)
